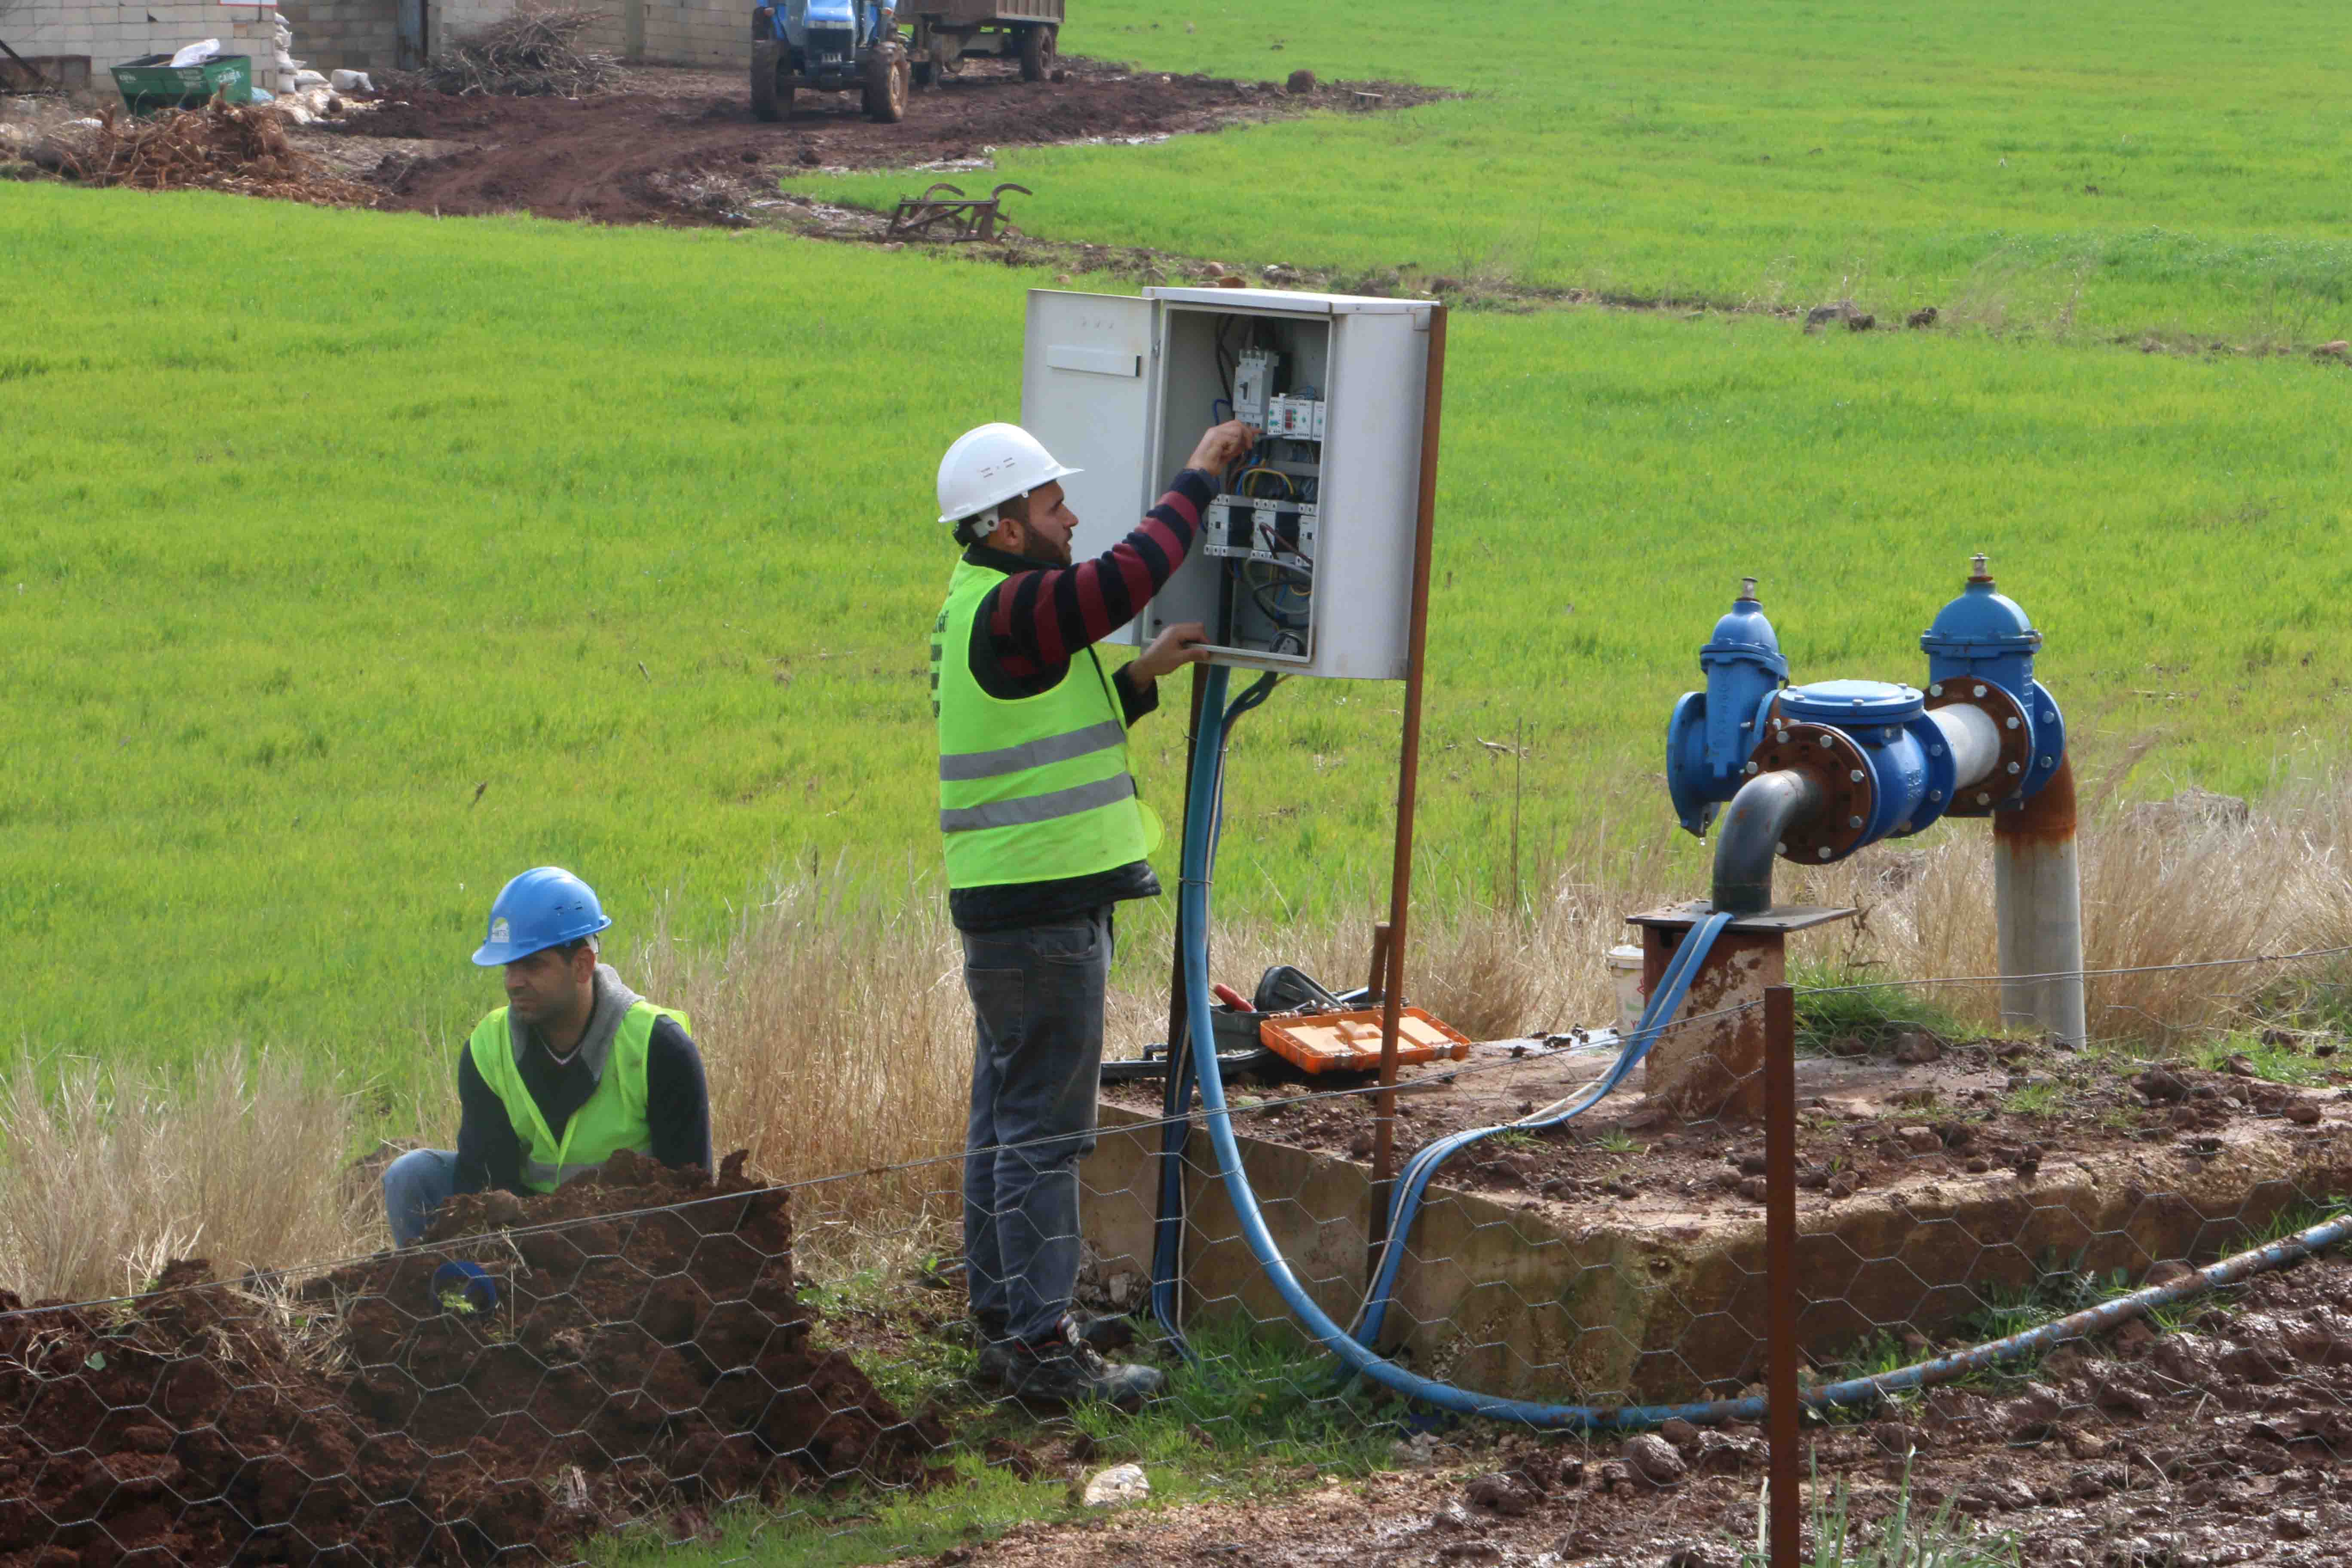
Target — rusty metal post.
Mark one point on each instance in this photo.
(1433, 398)
(2038, 902)
(1377, 976)
(1781, 1266)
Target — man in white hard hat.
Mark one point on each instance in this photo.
(1044, 837)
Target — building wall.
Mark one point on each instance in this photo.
(669, 32)
(698, 32)
(360, 35)
(111, 31)
(345, 35)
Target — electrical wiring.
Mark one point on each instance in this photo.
(1250, 474)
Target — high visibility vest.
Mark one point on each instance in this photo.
(613, 1117)
(1034, 788)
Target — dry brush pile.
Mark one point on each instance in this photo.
(534, 54)
(240, 148)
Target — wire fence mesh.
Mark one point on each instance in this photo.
(760, 1372)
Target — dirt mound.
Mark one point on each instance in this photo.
(682, 147)
(645, 1353)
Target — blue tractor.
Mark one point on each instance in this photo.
(829, 45)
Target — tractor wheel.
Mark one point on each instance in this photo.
(1036, 52)
(887, 77)
(771, 94)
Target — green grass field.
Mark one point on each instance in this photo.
(2104, 166)
(353, 562)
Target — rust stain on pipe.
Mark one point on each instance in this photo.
(2048, 817)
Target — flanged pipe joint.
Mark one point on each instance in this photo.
(1815, 772)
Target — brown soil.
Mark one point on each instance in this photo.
(1866, 1122)
(652, 1362)
(681, 147)
(2226, 1441)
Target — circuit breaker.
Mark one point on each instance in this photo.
(1303, 562)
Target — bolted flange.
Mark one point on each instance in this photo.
(2011, 768)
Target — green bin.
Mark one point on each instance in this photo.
(154, 83)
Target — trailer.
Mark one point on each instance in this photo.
(944, 33)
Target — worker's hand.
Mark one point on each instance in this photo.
(1177, 645)
(1223, 445)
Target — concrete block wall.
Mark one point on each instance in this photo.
(345, 35)
(111, 31)
(715, 33)
(698, 32)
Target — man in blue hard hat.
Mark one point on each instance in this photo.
(575, 1068)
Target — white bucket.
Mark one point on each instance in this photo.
(1625, 972)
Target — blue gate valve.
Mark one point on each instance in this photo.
(1712, 733)
(1881, 768)
(1865, 760)
(1981, 651)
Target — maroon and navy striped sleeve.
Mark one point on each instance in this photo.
(1041, 619)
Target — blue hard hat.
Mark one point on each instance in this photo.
(544, 908)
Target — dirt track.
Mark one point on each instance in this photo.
(681, 147)
(2225, 1442)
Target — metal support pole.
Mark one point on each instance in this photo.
(1180, 1033)
(1781, 1266)
(2038, 899)
(1433, 399)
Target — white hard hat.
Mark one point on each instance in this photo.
(991, 464)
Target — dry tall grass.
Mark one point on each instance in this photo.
(104, 1177)
(838, 1038)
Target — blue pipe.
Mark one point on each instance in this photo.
(1193, 914)
(1412, 1183)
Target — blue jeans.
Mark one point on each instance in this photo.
(1036, 1068)
(415, 1185)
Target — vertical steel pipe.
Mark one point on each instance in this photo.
(1781, 1269)
(2038, 901)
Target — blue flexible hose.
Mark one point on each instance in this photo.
(1193, 927)
(1412, 1181)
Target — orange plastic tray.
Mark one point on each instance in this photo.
(1351, 1042)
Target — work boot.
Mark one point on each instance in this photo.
(1067, 1371)
(1103, 1333)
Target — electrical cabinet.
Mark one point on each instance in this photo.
(1304, 564)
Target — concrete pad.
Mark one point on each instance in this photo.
(1661, 1297)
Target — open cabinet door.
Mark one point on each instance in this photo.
(1087, 391)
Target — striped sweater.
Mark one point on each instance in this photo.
(1028, 629)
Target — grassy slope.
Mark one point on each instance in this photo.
(263, 630)
(1770, 149)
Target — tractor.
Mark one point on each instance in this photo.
(828, 46)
